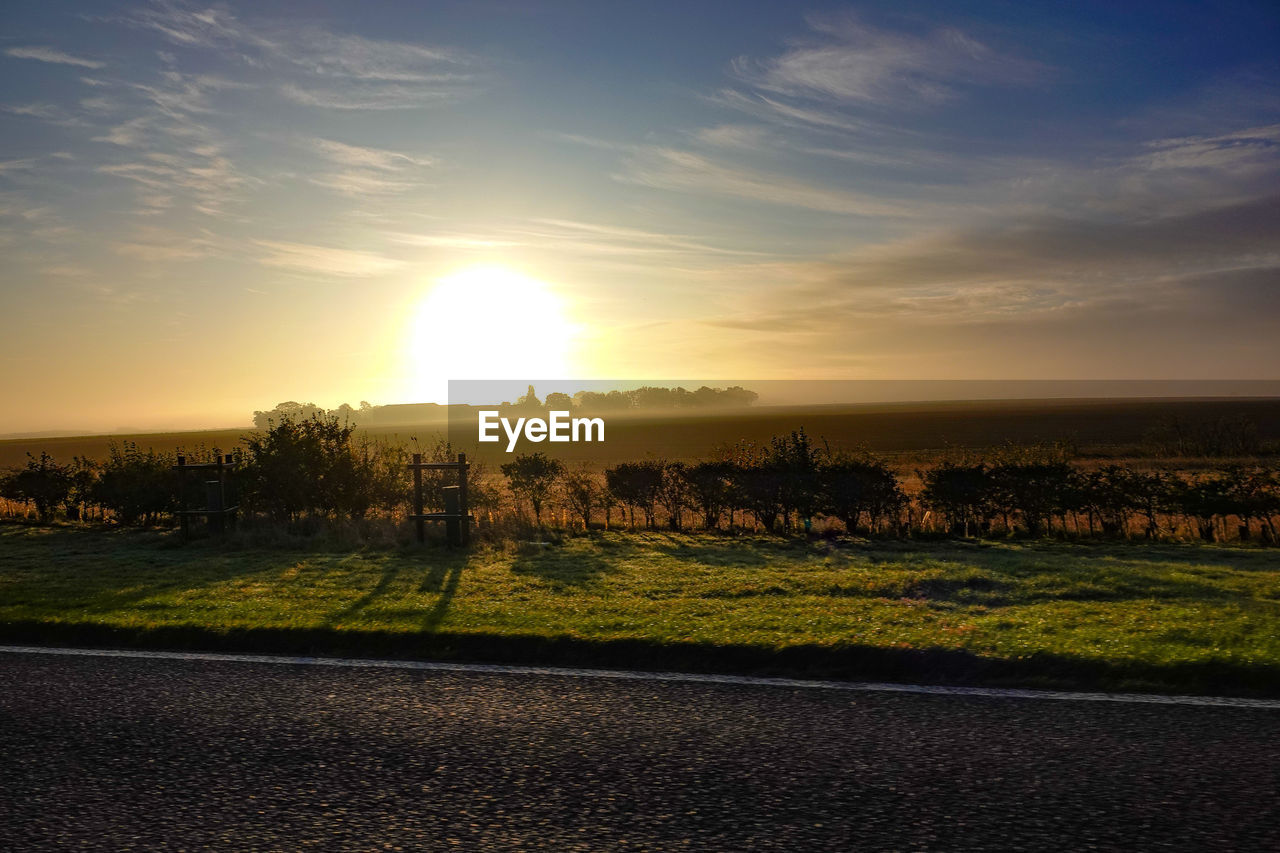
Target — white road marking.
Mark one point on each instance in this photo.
(691, 677)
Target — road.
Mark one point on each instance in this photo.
(144, 754)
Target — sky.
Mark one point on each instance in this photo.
(208, 209)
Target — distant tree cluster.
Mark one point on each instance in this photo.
(291, 410)
(596, 402)
(647, 398)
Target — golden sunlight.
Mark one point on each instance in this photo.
(487, 322)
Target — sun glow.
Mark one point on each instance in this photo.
(487, 323)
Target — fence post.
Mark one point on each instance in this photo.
(182, 498)
(452, 524)
(229, 496)
(417, 497)
(214, 506)
(463, 506)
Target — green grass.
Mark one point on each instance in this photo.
(1141, 616)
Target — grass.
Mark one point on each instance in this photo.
(1117, 616)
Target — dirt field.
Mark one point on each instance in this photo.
(1108, 427)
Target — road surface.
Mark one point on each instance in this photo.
(142, 754)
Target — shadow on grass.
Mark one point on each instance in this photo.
(845, 662)
(127, 567)
(568, 570)
(447, 585)
(96, 572)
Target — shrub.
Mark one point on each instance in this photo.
(43, 483)
(583, 494)
(964, 493)
(709, 488)
(532, 477)
(852, 487)
(139, 487)
(314, 467)
(637, 485)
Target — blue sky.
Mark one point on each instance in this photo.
(208, 208)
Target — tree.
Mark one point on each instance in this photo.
(673, 494)
(709, 485)
(796, 461)
(1035, 490)
(558, 401)
(138, 486)
(583, 493)
(637, 485)
(43, 482)
(314, 467)
(529, 400)
(532, 476)
(856, 486)
(963, 492)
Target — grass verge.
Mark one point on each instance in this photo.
(1180, 618)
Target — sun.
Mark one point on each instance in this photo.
(488, 322)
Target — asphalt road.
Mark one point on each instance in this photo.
(129, 754)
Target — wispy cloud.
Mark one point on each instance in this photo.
(1046, 266)
(53, 55)
(325, 260)
(156, 253)
(46, 112)
(155, 245)
(375, 158)
(318, 67)
(202, 175)
(358, 95)
(16, 165)
(1245, 153)
(365, 171)
(672, 169)
(452, 240)
(850, 61)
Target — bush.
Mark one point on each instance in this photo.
(637, 485)
(139, 487)
(964, 493)
(1035, 491)
(314, 467)
(854, 487)
(532, 477)
(42, 483)
(709, 488)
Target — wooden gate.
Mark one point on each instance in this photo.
(217, 508)
(456, 517)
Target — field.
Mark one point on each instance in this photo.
(906, 430)
(1119, 616)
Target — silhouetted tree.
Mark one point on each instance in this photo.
(42, 482)
(637, 485)
(709, 487)
(854, 486)
(532, 477)
(583, 494)
(138, 486)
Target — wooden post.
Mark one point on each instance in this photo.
(228, 494)
(417, 497)
(182, 497)
(214, 506)
(452, 524)
(463, 505)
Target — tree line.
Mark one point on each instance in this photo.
(647, 398)
(319, 468)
